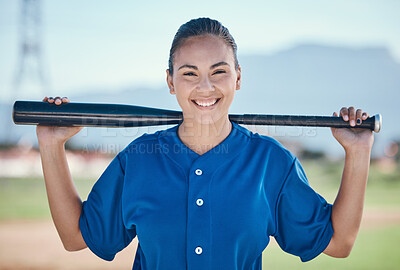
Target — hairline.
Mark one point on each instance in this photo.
(220, 63)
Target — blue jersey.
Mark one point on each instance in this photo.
(211, 211)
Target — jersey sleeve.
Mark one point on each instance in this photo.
(303, 217)
(101, 221)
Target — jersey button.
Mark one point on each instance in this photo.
(198, 250)
(199, 202)
(198, 172)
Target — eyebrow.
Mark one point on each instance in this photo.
(222, 63)
(188, 66)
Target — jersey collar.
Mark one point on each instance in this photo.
(228, 149)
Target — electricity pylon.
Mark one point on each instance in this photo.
(30, 78)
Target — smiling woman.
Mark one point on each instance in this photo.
(212, 193)
(204, 55)
(204, 83)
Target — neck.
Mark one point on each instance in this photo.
(202, 137)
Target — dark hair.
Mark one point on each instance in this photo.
(199, 27)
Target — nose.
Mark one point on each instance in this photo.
(205, 85)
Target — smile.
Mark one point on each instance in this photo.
(206, 103)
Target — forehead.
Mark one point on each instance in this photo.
(203, 49)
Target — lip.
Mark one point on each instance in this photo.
(208, 107)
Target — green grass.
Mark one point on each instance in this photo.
(25, 198)
(374, 249)
(383, 189)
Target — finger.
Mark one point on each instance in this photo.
(57, 100)
(45, 99)
(335, 114)
(365, 115)
(344, 113)
(65, 100)
(50, 100)
(358, 116)
(352, 116)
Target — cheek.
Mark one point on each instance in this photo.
(182, 91)
(227, 83)
(185, 85)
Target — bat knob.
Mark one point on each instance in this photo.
(378, 122)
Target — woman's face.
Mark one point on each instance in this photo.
(204, 79)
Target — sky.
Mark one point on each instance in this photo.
(89, 45)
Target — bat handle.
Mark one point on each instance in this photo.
(373, 123)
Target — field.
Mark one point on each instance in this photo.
(28, 239)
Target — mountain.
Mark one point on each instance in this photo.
(307, 79)
(318, 80)
(315, 78)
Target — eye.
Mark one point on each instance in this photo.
(189, 74)
(219, 72)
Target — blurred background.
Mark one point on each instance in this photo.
(305, 58)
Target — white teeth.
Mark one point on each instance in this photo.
(205, 104)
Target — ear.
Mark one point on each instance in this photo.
(170, 83)
(239, 78)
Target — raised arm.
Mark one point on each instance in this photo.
(348, 206)
(64, 201)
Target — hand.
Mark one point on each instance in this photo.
(53, 134)
(353, 138)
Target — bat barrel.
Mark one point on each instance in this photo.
(118, 115)
(91, 115)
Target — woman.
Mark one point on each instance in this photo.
(208, 193)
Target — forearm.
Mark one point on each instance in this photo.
(64, 201)
(348, 207)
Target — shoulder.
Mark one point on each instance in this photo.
(145, 143)
(266, 144)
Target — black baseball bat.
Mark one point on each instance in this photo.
(118, 115)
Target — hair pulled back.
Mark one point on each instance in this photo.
(199, 27)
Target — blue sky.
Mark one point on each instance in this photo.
(111, 44)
